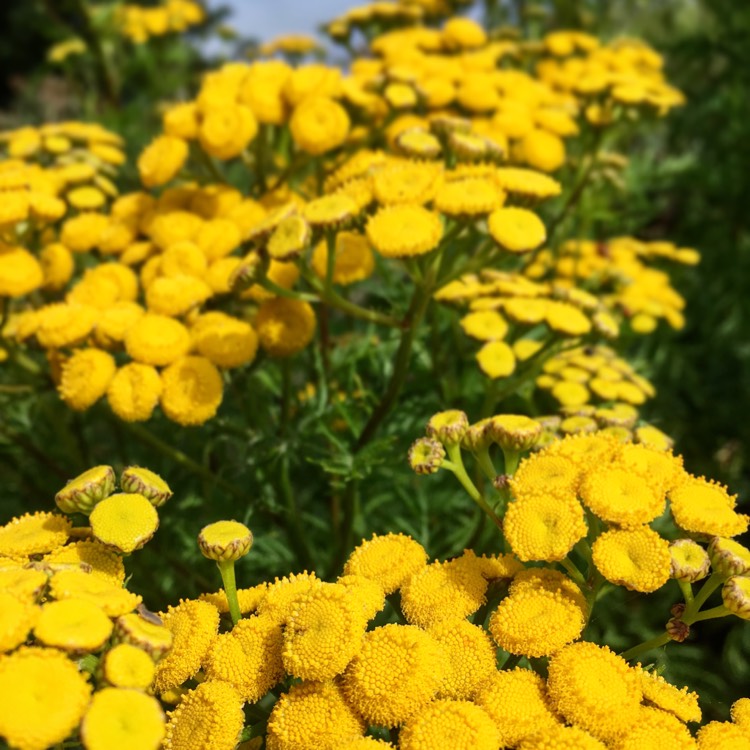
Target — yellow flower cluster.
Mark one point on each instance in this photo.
(621, 271)
(79, 651)
(140, 23)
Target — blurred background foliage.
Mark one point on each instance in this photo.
(688, 180)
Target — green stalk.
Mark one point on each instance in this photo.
(655, 642)
(226, 568)
(708, 588)
(572, 570)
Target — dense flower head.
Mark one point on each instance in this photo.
(635, 558)
(703, 507)
(467, 724)
(657, 692)
(73, 625)
(127, 666)
(34, 533)
(125, 521)
(389, 560)
(17, 618)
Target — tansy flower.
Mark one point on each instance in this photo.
(636, 558)
(157, 340)
(417, 141)
(208, 717)
(368, 594)
(161, 160)
(473, 196)
(20, 272)
(721, 735)
(703, 507)
(740, 712)
(133, 393)
(77, 584)
(319, 124)
(662, 470)
(656, 728)
(463, 33)
(248, 599)
(468, 726)
(98, 559)
(621, 498)
(225, 541)
(17, 618)
(496, 359)
(330, 210)
(226, 341)
(406, 182)
(194, 625)
(34, 534)
(690, 562)
(658, 692)
(176, 295)
(735, 594)
(61, 324)
(403, 231)
(728, 557)
(147, 636)
(24, 583)
(122, 719)
(594, 689)
(485, 325)
(323, 633)
(354, 259)
(57, 265)
(516, 230)
(283, 595)
(517, 702)
(527, 182)
(289, 238)
(216, 238)
(448, 426)
(312, 716)
(389, 560)
(43, 696)
(249, 657)
(226, 130)
(545, 474)
(470, 657)
(127, 666)
(192, 390)
(82, 233)
(544, 527)
(542, 150)
(85, 377)
(364, 743)
(536, 622)
(440, 591)
(147, 483)
(560, 737)
(398, 671)
(73, 625)
(285, 326)
(115, 321)
(125, 521)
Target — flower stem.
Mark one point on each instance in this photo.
(573, 572)
(655, 642)
(707, 589)
(709, 614)
(226, 568)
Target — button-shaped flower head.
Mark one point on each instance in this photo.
(225, 540)
(81, 494)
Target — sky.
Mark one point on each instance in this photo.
(265, 19)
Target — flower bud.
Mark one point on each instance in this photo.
(677, 630)
(477, 437)
(81, 494)
(578, 425)
(448, 426)
(443, 124)
(736, 596)
(728, 557)
(225, 540)
(251, 269)
(467, 146)
(152, 637)
(690, 562)
(426, 455)
(514, 432)
(147, 483)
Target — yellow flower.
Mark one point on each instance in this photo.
(319, 124)
(34, 534)
(658, 692)
(473, 196)
(690, 562)
(249, 657)
(161, 160)
(227, 130)
(468, 726)
(86, 490)
(225, 540)
(285, 326)
(134, 392)
(248, 599)
(323, 634)
(147, 483)
(485, 325)
(559, 737)
(354, 259)
(77, 584)
(721, 735)
(543, 526)
(122, 719)
(398, 671)
(542, 150)
(535, 621)
(157, 340)
(208, 717)
(656, 728)
(17, 618)
(176, 295)
(545, 474)
(620, 497)
(127, 666)
(85, 198)
(514, 432)
(73, 625)
(218, 237)
(496, 359)
(329, 210)
(636, 558)
(441, 591)
(192, 390)
(704, 507)
(595, 690)
(312, 716)
(517, 702)
(470, 657)
(61, 324)
(402, 231)
(448, 426)
(24, 583)
(389, 560)
(43, 696)
(125, 521)
(406, 182)
(516, 230)
(90, 555)
(57, 265)
(740, 712)
(194, 625)
(20, 272)
(115, 321)
(226, 341)
(146, 635)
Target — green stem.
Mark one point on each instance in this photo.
(512, 459)
(209, 164)
(484, 460)
(89, 663)
(226, 568)
(281, 291)
(708, 588)
(573, 572)
(655, 642)
(293, 518)
(709, 614)
(687, 592)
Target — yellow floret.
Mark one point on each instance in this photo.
(157, 340)
(283, 595)
(125, 521)
(17, 618)
(719, 735)
(192, 390)
(127, 666)
(562, 738)
(285, 326)
(73, 625)
(402, 231)
(703, 507)
(34, 534)
(389, 560)
(658, 692)
(468, 726)
(86, 375)
(134, 391)
(77, 584)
